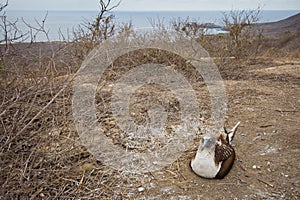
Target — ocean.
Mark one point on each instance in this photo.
(65, 22)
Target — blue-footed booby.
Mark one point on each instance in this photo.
(215, 155)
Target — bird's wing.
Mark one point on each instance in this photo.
(223, 152)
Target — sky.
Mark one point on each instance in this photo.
(154, 5)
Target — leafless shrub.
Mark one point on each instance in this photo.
(240, 42)
(190, 28)
(2, 6)
(239, 23)
(34, 102)
(37, 29)
(34, 106)
(11, 33)
(8, 29)
(125, 31)
(90, 34)
(157, 24)
(41, 153)
(215, 44)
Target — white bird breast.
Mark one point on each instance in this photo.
(204, 165)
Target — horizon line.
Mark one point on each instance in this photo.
(146, 10)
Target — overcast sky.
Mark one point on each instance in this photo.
(155, 5)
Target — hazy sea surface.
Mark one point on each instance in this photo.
(66, 21)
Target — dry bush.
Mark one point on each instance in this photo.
(11, 34)
(241, 43)
(9, 30)
(41, 153)
(35, 106)
(189, 28)
(90, 34)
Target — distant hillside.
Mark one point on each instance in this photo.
(273, 29)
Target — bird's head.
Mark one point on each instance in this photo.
(206, 142)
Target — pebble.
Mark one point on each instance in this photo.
(141, 189)
(112, 123)
(155, 163)
(236, 101)
(250, 109)
(255, 167)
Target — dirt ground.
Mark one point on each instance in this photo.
(265, 98)
(48, 160)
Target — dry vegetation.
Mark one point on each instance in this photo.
(42, 156)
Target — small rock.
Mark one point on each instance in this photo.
(250, 109)
(112, 123)
(141, 189)
(255, 167)
(236, 101)
(269, 170)
(285, 175)
(209, 122)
